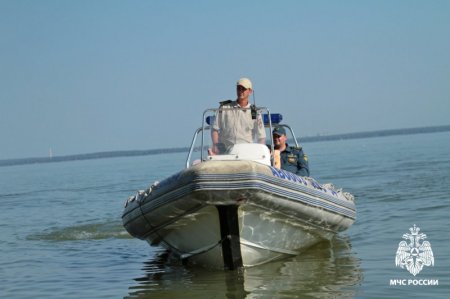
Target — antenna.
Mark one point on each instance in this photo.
(254, 106)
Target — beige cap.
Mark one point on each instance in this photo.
(245, 83)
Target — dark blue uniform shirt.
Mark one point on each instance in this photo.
(294, 160)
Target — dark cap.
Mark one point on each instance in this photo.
(279, 131)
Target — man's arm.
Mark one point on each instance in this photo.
(260, 131)
(215, 136)
(302, 164)
(215, 141)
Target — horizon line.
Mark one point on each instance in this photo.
(306, 139)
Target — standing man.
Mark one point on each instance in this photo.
(292, 158)
(237, 121)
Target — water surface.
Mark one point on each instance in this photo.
(61, 234)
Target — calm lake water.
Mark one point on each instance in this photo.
(61, 234)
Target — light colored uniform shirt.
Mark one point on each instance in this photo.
(237, 126)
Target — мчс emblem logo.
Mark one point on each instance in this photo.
(414, 254)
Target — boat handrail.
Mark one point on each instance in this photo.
(192, 146)
(214, 110)
(207, 122)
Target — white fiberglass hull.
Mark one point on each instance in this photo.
(237, 213)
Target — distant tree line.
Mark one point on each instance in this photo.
(130, 153)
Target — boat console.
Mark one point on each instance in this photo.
(262, 153)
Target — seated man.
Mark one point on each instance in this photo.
(236, 125)
(292, 158)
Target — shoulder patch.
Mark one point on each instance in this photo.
(292, 158)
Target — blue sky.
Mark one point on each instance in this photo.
(88, 76)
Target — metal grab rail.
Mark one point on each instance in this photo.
(208, 121)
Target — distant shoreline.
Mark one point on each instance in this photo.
(130, 153)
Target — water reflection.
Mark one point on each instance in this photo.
(329, 269)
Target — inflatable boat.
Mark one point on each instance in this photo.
(237, 209)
